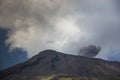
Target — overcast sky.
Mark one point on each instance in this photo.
(62, 25)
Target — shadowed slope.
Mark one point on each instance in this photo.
(50, 62)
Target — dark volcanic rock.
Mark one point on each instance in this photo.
(50, 62)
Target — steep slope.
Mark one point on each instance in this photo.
(50, 62)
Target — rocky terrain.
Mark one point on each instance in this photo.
(53, 65)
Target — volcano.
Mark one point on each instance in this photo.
(50, 62)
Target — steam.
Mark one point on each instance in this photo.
(64, 25)
(39, 24)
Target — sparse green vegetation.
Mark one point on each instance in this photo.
(56, 77)
(66, 77)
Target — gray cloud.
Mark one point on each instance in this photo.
(61, 25)
(89, 51)
(34, 23)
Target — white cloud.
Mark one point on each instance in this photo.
(61, 25)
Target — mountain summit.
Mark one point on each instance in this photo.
(50, 62)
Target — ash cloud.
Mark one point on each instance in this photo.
(90, 51)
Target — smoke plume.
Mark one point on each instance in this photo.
(90, 51)
(61, 25)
